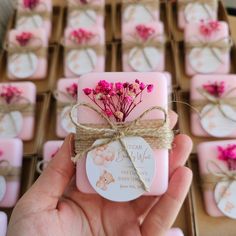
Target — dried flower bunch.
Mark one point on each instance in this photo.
(24, 38)
(118, 100)
(228, 154)
(81, 36)
(30, 4)
(72, 90)
(144, 32)
(9, 93)
(208, 28)
(216, 89)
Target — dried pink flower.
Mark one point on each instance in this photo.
(24, 38)
(87, 91)
(81, 35)
(228, 154)
(144, 32)
(73, 90)
(216, 89)
(31, 4)
(9, 93)
(150, 88)
(206, 29)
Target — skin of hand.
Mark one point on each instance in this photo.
(53, 205)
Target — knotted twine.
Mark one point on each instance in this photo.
(156, 132)
(216, 102)
(223, 44)
(140, 45)
(9, 172)
(148, 5)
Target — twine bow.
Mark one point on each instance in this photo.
(216, 102)
(223, 44)
(10, 173)
(148, 5)
(140, 45)
(156, 132)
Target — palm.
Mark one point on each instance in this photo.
(42, 210)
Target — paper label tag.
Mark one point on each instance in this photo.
(3, 187)
(31, 22)
(145, 60)
(225, 197)
(66, 122)
(81, 61)
(203, 60)
(84, 19)
(215, 123)
(23, 65)
(138, 14)
(111, 173)
(195, 12)
(11, 125)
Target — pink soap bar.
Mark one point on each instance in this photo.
(202, 59)
(66, 95)
(208, 151)
(82, 61)
(195, 12)
(175, 232)
(32, 64)
(159, 97)
(140, 13)
(213, 126)
(11, 154)
(41, 17)
(3, 223)
(149, 59)
(91, 17)
(18, 123)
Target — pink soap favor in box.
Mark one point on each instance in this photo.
(17, 102)
(84, 51)
(196, 11)
(27, 54)
(117, 156)
(217, 164)
(175, 232)
(140, 12)
(34, 14)
(214, 99)
(66, 96)
(85, 14)
(3, 223)
(11, 153)
(143, 47)
(207, 48)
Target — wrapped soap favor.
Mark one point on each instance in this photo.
(194, 11)
(175, 232)
(34, 14)
(11, 153)
(122, 135)
(143, 47)
(17, 102)
(50, 149)
(207, 48)
(214, 99)
(66, 96)
(3, 223)
(85, 14)
(84, 51)
(140, 12)
(217, 164)
(27, 54)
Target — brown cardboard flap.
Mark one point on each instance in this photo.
(43, 85)
(117, 21)
(205, 224)
(178, 34)
(182, 78)
(184, 120)
(232, 21)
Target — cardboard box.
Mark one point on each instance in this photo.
(178, 34)
(205, 224)
(43, 85)
(117, 23)
(232, 21)
(184, 80)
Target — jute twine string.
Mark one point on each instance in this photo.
(10, 173)
(157, 41)
(148, 5)
(216, 102)
(156, 132)
(223, 44)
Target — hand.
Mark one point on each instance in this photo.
(54, 207)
